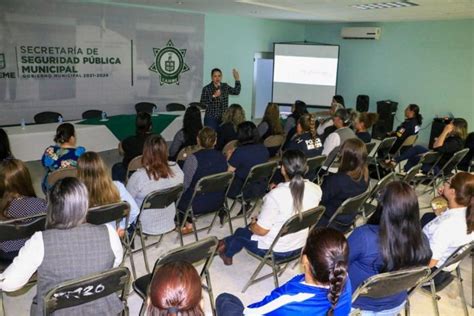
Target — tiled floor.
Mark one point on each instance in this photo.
(232, 278)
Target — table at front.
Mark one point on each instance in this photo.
(28, 144)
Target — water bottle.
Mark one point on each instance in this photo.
(60, 119)
(104, 116)
(23, 123)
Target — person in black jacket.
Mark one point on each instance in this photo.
(451, 140)
(465, 163)
(410, 126)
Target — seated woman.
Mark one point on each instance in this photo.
(132, 146)
(326, 126)
(362, 123)
(455, 226)
(17, 199)
(298, 109)
(186, 136)
(410, 126)
(306, 139)
(292, 197)
(62, 155)
(323, 289)
(157, 174)
(91, 170)
(68, 249)
(5, 151)
(467, 161)
(351, 180)
(387, 244)
(450, 141)
(270, 124)
(231, 119)
(202, 163)
(249, 152)
(175, 290)
(342, 121)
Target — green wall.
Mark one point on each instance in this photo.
(428, 63)
(232, 41)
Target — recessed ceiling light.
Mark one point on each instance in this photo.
(385, 5)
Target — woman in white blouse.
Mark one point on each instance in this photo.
(68, 249)
(455, 226)
(157, 174)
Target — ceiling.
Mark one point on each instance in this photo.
(312, 10)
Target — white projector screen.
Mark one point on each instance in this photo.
(305, 72)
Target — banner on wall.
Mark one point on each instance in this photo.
(70, 57)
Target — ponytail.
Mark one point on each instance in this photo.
(337, 279)
(297, 193)
(295, 166)
(312, 127)
(415, 108)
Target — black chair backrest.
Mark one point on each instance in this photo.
(370, 147)
(87, 289)
(430, 157)
(47, 117)
(381, 184)
(162, 198)
(91, 114)
(260, 173)
(452, 163)
(108, 213)
(391, 283)
(314, 163)
(22, 228)
(145, 107)
(296, 223)
(458, 255)
(351, 206)
(218, 182)
(175, 107)
(385, 145)
(411, 174)
(59, 174)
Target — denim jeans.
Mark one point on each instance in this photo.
(241, 239)
(388, 312)
(229, 305)
(412, 155)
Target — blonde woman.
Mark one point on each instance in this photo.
(92, 171)
(271, 124)
(233, 116)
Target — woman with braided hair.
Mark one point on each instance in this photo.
(306, 138)
(323, 289)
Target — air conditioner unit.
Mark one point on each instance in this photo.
(372, 33)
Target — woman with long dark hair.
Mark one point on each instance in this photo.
(291, 197)
(68, 249)
(411, 126)
(323, 289)
(351, 180)
(5, 151)
(175, 290)
(17, 199)
(157, 174)
(391, 240)
(192, 124)
(271, 124)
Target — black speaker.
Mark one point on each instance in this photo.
(386, 110)
(436, 129)
(362, 103)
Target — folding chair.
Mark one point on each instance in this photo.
(88, 289)
(391, 283)
(20, 228)
(59, 174)
(110, 213)
(293, 225)
(330, 161)
(446, 170)
(46, 117)
(147, 107)
(194, 253)
(350, 207)
(368, 208)
(154, 201)
(457, 256)
(133, 165)
(260, 174)
(314, 165)
(216, 183)
(274, 144)
(382, 152)
(411, 174)
(370, 147)
(171, 107)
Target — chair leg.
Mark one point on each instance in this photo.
(230, 220)
(254, 275)
(244, 211)
(194, 227)
(461, 291)
(434, 298)
(407, 308)
(127, 242)
(142, 309)
(145, 257)
(377, 169)
(210, 293)
(2, 307)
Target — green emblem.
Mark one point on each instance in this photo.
(2, 61)
(169, 63)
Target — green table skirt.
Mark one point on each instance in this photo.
(123, 126)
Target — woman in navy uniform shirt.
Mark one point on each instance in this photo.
(306, 139)
(410, 126)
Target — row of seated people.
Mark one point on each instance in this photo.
(333, 267)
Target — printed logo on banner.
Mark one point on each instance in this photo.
(169, 63)
(2, 61)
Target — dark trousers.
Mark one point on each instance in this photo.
(412, 155)
(212, 122)
(229, 305)
(119, 172)
(241, 239)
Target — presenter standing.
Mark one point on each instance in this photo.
(216, 97)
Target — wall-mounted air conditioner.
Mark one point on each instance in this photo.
(372, 33)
